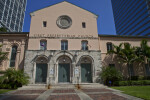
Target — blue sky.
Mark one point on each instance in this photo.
(102, 8)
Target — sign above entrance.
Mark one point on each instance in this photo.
(51, 71)
(76, 71)
(63, 36)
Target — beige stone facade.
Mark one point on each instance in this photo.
(139, 69)
(63, 46)
(75, 27)
(8, 40)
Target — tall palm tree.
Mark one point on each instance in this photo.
(145, 52)
(126, 54)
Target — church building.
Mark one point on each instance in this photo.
(63, 46)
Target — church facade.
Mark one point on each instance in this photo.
(63, 46)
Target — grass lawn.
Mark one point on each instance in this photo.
(4, 90)
(138, 91)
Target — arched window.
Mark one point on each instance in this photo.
(13, 56)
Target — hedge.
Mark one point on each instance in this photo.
(130, 83)
(5, 86)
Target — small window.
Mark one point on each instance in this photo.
(84, 45)
(147, 69)
(112, 65)
(83, 25)
(64, 45)
(43, 45)
(44, 24)
(13, 56)
(109, 46)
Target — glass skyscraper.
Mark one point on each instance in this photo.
(132, 17)
(12, 14)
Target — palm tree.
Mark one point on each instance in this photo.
(125, 54)
(145, 52)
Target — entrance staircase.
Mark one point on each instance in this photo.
(61, 86)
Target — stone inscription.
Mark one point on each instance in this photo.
(61, 36)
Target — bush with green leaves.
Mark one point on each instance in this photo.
(110, 74)
(14, 79)
(131, 83)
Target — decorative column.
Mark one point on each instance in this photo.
(73, 73)
(33, 71)
(17, 59)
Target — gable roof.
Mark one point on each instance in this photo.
(66, 2)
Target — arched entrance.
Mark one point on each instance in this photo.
(64, 69)
(86, 70)
(41, 70)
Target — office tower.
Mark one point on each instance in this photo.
(12, 14)
(132, 17)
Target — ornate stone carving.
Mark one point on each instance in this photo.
(64, 22)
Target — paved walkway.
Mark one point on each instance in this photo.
(67, 94)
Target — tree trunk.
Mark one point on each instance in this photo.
(129, 71)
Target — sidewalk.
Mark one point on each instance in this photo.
(68, 94)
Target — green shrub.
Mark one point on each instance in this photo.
(5, 86)
(123, 83)
(14, 78)
(110, 74)
(146, 82)
(130, 83)
(141, 78)
(137, 82)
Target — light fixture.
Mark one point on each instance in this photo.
(64, 59)
(41, 60)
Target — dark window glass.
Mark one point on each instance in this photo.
(147, 69)
(1, 6)
(13, 56)
(43, 45)
(22, 15)
(64, 45)
(8, 2)
(84, 45)
(12, 25)
(109, 46)
(83, 25)
(44, 24)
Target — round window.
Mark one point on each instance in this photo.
(64, 22)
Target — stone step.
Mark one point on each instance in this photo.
(33, 87)
(61, 86)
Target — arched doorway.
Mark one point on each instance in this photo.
(41, 70)
(64, 69)
(86, 70)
